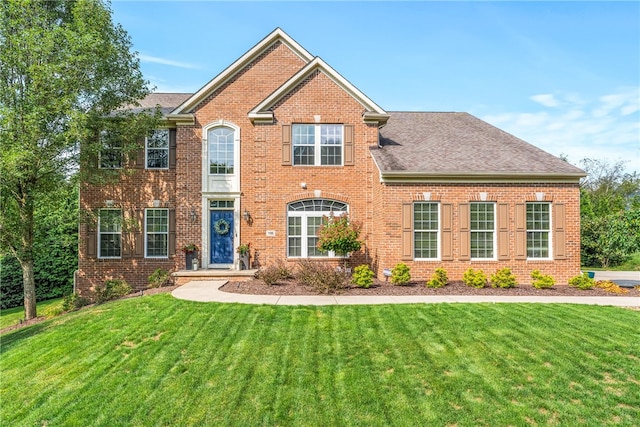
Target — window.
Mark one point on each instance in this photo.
(157, 233)
(425, 230)
(221, 143)
(157, 149)
(538, 226)
(111, 151)
(317, 144)
(482, 228)
(303, 221)
(109, 233)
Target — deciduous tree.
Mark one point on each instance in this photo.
(66, 69)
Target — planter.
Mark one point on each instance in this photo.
(244, 262)
(190, 257)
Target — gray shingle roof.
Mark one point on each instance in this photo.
(167, 101)
(429, 144)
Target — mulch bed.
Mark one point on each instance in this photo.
(380, 287)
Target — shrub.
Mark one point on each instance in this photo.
(582, 281)
(503, 278)
(74, 302)
(159, 278)
(53, 310)
(542, 281)
(273, 273)
(439, 279)
(475, 279)
(112, 289)
(609, 286)
(321, 277)
(362, 276)
(401, 274)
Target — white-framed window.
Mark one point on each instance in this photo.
(304, 218)
(221, 150)
(538, 230)
(483, 230)
(111, 151)
(426, 227)
(109, 233)
(156, 228)
(317, 144)
(157, 149)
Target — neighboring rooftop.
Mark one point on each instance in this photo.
(459, 144)
(167, 101)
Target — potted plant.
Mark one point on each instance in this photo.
(245, 253)
(191, 254)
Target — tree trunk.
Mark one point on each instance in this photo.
(29, 285)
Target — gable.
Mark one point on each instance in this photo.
(277, 36)
(263, 112)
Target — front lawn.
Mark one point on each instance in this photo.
(161, 361)
(11, 316)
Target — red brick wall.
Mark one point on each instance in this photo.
(388, 240)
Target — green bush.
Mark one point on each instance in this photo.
(112, 289)
(503, 278)
(74, 302)
(362, 276)
(475, 279)
(439, 279)
(401, 274)
(159, 278)
(323, 278)
(542, 281)
(582, 282)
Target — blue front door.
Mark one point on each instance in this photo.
(221, 237)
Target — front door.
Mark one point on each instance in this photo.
(221, 238)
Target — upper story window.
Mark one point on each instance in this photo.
(482, 227)
(157, 149)
(109, 233)
(426, 224)
(221, 150)
(317, 144)
(538, 230)
(304, 218)
(111, 150)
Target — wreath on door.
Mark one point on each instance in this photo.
(221, 227)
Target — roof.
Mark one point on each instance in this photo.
(425, 145)
(167, 101)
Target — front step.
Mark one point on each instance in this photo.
(184, 276)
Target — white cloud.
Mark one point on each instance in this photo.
(547, 99)
(607, 127)
(164, 61)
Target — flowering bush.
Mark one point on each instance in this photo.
(339, 235)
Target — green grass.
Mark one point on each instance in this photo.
(161, 361)
(11, 316)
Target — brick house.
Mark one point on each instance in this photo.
(278, 139)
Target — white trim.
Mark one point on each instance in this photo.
(317, 144)
(438, 231)
(263, 113)
(230, 181)
(145, 233)
(100, 233)
(228, 73)
(146, 150)
(304, 237)
(494, 231)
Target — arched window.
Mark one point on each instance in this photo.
(221, 150)
(304, 218)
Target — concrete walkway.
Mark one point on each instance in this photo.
(208, 291)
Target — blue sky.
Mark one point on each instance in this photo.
(564, 76)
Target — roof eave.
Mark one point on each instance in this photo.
(479, 177)
(181, 119)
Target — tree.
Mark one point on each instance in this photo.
(339, 235)
(67, 71)
(609, 213)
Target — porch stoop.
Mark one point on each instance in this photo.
(184, 276)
